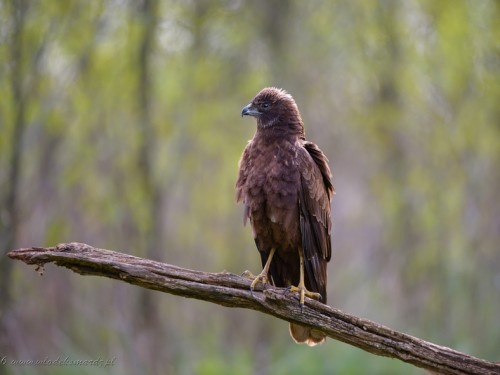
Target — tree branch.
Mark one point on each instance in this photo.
(234, 291)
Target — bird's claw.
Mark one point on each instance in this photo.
(303, 292)
(247, 274)
(259, 278)
(262, 277)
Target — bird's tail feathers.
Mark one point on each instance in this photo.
(305, 335)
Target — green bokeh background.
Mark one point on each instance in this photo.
(120, 127)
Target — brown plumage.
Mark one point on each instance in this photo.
(285, 185)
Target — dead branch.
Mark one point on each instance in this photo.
(234, 291)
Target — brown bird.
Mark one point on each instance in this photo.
(285, 185)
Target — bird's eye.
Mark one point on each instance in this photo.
(265, 105)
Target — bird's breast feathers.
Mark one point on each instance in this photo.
(272, 180)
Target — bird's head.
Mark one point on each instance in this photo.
(273, 107)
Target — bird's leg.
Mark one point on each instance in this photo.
(262, 277)
(301, 288)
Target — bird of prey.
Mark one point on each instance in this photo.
(285, 185)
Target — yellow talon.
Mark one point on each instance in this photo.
(301, 288)
(247, 274)
(304, 292)
(262, 277)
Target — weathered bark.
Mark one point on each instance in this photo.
(234, 291)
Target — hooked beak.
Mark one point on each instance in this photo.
(249, 110)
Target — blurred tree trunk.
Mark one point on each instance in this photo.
(148, 14)
(391, 134)
(275, 29)
(147, 302)
(9, 218)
